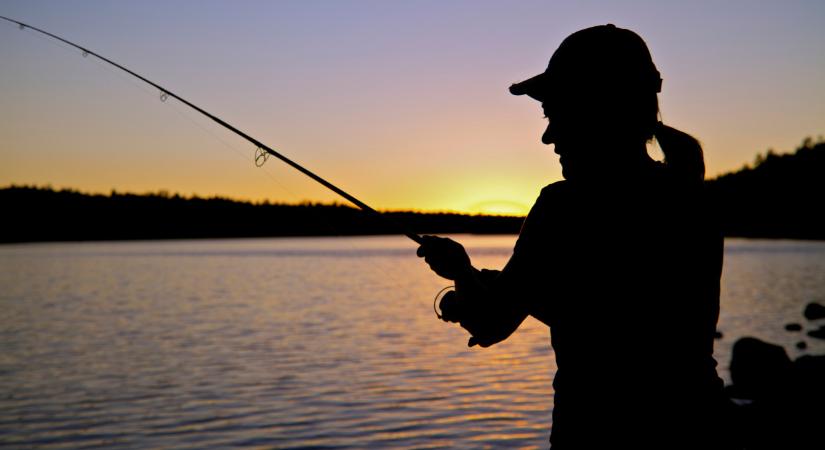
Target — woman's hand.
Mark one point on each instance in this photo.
(470, 305)
(485, 325)
(446, 257)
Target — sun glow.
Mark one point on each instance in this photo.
(499, 208)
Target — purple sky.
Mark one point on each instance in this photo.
(404, 104)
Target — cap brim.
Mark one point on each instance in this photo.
(534, 88)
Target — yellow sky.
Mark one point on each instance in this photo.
(404, 106)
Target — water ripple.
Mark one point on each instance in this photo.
(295, 344)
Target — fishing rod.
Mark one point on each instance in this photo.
(262, 151)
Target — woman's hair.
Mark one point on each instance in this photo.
(637, 118)
(683, 153)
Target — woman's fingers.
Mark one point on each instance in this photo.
(483, 325)
(427, 245)
(445, 256)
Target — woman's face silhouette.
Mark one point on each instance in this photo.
(584, 135)
(561, 133)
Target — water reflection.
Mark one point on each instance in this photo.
(295, 343)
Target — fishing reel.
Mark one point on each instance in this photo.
(446, 305)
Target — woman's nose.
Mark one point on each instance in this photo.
(548, 137)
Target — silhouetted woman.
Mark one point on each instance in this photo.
(622, 259)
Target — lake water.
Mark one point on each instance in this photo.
(300, 343)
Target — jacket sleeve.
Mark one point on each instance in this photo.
(498, 301)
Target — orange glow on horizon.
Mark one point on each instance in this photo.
(402, 120)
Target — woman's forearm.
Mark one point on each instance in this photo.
(489, 312)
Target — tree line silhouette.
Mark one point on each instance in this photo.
(45, 214)
(779, 196)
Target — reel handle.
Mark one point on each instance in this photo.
(448, 305)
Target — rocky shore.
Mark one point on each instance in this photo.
(777, 402)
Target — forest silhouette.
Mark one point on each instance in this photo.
(778, 196)
(36, 214)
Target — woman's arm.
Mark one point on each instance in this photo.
(482, 304)
(492, 304)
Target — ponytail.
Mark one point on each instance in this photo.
(683, 153)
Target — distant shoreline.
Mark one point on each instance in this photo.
(46, 215)
(400, 236)
(199, 239)
(779, 197)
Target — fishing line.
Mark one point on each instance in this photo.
(54, 44)
(260, 155)
(262, 151)
(150, 93)
(320, 215)
(261, 148)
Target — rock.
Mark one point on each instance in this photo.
(809, 382)
(814, 311)
(802, 345)
(811, 370)
(819, 333)
(793, 327)
(759, 369)
(779, 405)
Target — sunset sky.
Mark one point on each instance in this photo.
(403, 104)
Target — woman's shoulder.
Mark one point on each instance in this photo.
(551, 196)
(556, 189)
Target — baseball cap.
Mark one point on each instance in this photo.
(603, 59)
